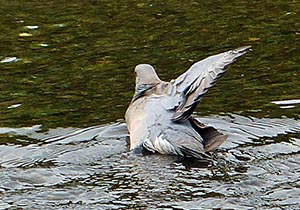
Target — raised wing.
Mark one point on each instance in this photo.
(199, 78)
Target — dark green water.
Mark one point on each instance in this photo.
(68, 65)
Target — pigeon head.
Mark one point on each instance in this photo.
(146, 75)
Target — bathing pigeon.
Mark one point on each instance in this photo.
(159, 115)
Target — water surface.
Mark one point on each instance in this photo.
(66, 81)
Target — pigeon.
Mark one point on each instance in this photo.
(159, 115)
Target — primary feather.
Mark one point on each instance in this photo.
(195, 82)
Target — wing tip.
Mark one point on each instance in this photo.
(242, 50)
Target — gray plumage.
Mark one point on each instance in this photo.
(159, 115)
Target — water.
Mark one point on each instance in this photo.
(91, 167)
(66, 81)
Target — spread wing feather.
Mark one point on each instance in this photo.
(199, 78)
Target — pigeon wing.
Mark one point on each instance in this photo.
(199, 78)
(176, 140)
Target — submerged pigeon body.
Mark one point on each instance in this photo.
(159, 115)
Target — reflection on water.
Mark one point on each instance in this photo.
(70, 64)
(287, 104)
(260, 159)
(66, 77)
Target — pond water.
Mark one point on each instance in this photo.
(66, 80)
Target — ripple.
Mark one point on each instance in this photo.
(32, 27)
(25, 34)
(14, 106)
(287, 102)
(92, 167)
(9, 60)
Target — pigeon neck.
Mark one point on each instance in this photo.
(140, 90)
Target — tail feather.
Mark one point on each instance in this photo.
(212, 137)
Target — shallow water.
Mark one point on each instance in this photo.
(66, 81)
